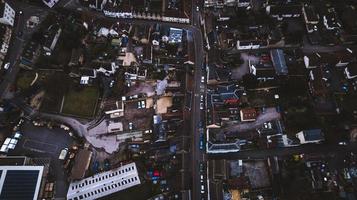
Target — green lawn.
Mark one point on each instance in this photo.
(81, 103)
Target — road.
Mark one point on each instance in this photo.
(323, 149)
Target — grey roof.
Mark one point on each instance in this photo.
(313, 134)
(279, 62)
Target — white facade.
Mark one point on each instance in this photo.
(8, 14)
(105, 183)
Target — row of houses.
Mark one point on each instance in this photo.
(161, 10)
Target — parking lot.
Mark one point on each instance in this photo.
(41, 142)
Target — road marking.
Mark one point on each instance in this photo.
(39, 146)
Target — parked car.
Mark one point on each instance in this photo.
(63, 154)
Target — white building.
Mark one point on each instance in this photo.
(105, 183)
(50, 3)
(7, 13)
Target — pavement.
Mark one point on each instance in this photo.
(41, 142)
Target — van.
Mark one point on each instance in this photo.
(63, 154)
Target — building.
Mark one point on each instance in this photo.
(312, 61)
(104, 184)
(248, 114)
(81, 164)
(351, 70)
(281, 12)
(279, 62)
(50, 3)
(20, 182)
(7, 13)
(310, 136)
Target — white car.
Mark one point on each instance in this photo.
(202, 189)
(63, 154)
(7, 66)
(201, 106)
(202, 97)
(197, 9)
(202, 79)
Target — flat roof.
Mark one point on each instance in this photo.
(20, 182)
(105, 183)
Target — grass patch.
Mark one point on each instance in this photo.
(81, 103)
(24, 81)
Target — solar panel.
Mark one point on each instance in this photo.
(19, 185)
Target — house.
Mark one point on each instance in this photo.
(218, 74)
(114, 109)
(345, 57)
(312, 61)
(87, 75)
(248, 114)
(5, 36)
(281, 12)
(331, 21)
(7, 13)
(227, 147)
(351, 70)
(310, 136)
(51, 38)
(105, 183)
(50, 3)
(114, 127)
(311, 18)
(81, 164)
(317, 82)
(279, 62)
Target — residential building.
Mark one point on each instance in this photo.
(281, 12)
(104, 184)
(7, 13)
(279, 62)
(310, 136)
(351, 70)
(248, 114)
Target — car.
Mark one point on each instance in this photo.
(7, 66)
(202, 79)
(111, 84)
(201, 106)
(20, 33)
(202, 98)
(201, 178)
(197, 8)
(202, 189)
(202, 142)
(342, 143)
(130, 126)
(63, 154)
(141, 104)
